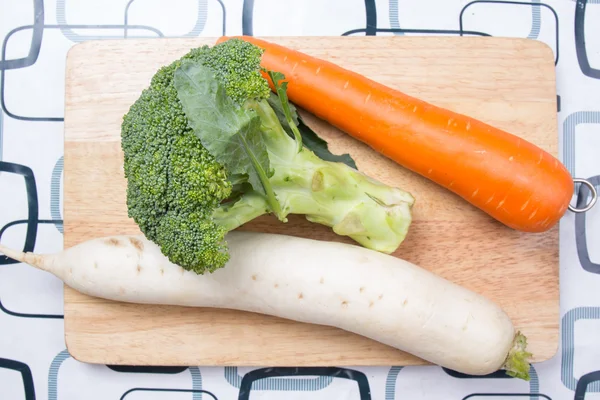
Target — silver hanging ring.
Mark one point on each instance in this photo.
(592, 201)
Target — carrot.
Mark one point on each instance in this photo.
(509, 178)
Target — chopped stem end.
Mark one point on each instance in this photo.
(517, 361)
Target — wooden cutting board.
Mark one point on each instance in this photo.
(509, 83)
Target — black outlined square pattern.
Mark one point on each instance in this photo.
(517, 3)
(584, 382)
(534, 383)
(581, 241)
(516, 396)
(3, 307)
(168, 393)
(55, 377)
(32, 207)
(591, 383)
(200, 22)
(248, 17)
(36, 40)
(47, 27)
(248, 381)
(580, 46)
(26, 377)
(32, 223)
(570, 124)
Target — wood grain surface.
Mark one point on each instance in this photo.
(509, 83)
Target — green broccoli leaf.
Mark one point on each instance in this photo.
(281, 88)
(309, 138)
(230, 133)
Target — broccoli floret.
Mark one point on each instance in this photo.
(237, 67)
(207, 148)
(173, 182)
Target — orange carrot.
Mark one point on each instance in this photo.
(511, 179)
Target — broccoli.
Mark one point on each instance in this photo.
(208, 147)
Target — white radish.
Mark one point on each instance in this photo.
(346, 286)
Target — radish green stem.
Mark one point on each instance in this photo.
(517, 364)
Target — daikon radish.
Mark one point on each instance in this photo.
(341, 285)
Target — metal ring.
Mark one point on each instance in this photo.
(594, 196)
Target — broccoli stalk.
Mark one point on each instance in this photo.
(331, 193)
(207, 148)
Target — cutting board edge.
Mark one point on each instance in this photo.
(555, 342)
(212, 39)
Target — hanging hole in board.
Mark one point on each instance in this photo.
(591, 203)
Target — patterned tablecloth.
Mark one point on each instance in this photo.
(37, 34)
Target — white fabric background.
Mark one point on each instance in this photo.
(31, 134)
